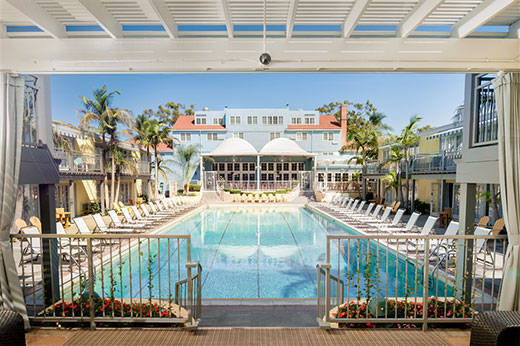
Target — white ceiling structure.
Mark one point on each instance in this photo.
(116, 36)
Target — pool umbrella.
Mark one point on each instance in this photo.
(507, 92)
(11, 296)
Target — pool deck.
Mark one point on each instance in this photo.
(246, 336)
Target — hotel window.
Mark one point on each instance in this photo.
(286, 176)
(274, 135)
(237, 177)
(245, 166)
(200, 121)
(230, 176)
(252, 120)
(294, 166)
(218, 121)
(296, 121)
(234, 120)
(337, 177)
(301, 166)
(229, 166)
(270, 166)
(301, 136)
(280, 120)
(221, 177)
(294, 176)
(185, 136)
(286, 166)
(238, 135)
(245, 177)
(264, 166)
(328, 136)
(237, 166)
(252, 177)
(272, 120)
(251, 166)
(309, 121)
(345, 177)
(264, 176)
(329, 177)
(212, 136)
(278, 166)
(221, 167)
(320, 177)
(270, 176)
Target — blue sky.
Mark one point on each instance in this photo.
(434, 97)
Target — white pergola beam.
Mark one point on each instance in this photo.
(156, 55)
(354, 16)
(40, 17)
(291, 15)
(167, 20)
(416, 17)
(103, 17)
(514, 30)
(479, 16)
(227, 18)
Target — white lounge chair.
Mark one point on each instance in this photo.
(409, 225)
(118, 224)
(102, 226)
(128, 219)
(139, 217)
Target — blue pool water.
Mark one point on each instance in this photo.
(255, 252)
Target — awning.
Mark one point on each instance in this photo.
(446, 133)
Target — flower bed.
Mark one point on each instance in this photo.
(404, 309)
(112, 307)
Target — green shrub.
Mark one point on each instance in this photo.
(95, 208)
(422, 207)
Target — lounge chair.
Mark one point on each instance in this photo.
(409, 225)
(369, 217)
(36, 222)
(498, 226)
(70, 247)
(395, 221)
(155, 211)
(128, 219)
(139, 217)
(396, 207)
(250, 198)
(83, 229)
(147, 214)
(425, 230)
(21, 224)
(483, 222)
(118, 224)
(34, 245)
(102, 227)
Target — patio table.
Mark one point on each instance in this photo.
(63, 217)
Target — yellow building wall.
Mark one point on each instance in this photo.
(84, 194)
(428, 146)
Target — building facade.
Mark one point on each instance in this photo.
(321, 136)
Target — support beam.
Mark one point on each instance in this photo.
(354, 16)
(514, 30)
(40, 17)
(103, 17)
(227, 17)
(166, 18)
(416, 17)
(291, 15)
(479, 16)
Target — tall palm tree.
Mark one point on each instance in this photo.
(113, 117)
(142, 135)
(393, 180)
(376, 118)
(364, 139)
(94, 113)
(408, 138)
(157, 133)
(120, 162)
(395, 157)
(185, 157)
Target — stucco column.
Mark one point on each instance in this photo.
(72, 199)
(258, 170)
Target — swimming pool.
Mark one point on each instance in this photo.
(250, 252)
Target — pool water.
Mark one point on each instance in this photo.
(254, 252)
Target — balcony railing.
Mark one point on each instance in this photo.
(376, 167)
(78, 162)
(109, 278)
(486, 121)
(442, 163)
(251, 185)
(408, 279)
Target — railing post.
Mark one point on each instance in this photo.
(327, 292)
(426, 285)
(189, 304)
(318, 295)
(90, 284)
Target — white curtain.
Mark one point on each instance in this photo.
(11, 119)
(507, 93)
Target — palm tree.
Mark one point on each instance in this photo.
(185, 158)
(164, 169)
(408, 138)
(94, 112)
(364, 139)
(157, 133)
(395, 157)
(141, 135)
(112, 118)
(376, 118)
(393, 180)
(121, 162)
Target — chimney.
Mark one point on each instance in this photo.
(343, 123)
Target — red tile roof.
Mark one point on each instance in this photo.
(326, 122)
(187, 123)
(163, 148)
